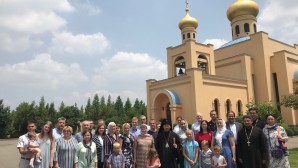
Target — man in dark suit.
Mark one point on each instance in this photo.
(254, 113)
(235, 127)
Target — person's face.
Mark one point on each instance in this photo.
(86, 126)
(247, 122)
(219, 124)
(231, 117)
(158, 126)
(112, 129)
(134, 123)
(91, 124)
(183, 125)
(143, 130)
(46, 128)
(100, 122)
(61, 124)
(253, 114)
(117, 130)
(101, 129)
(204, 125)
(152, 124)
(66, 133)
(270, 120)
(189, 135)
(32, 138)
(199, 118)
(126, 129)
(87, 136)
(143, 120)
(205, 147)
(213, 115)
(117, 149)
(166, 127)
(217, 152)
(31, 127)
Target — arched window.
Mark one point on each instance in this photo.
(216, 105)
(237, 29)
(203, 63)
(183, 36)
(228, 106)
(239, 107)
(255, 28)
(188, 35)
(194, 36)
(246, 28)
(180, 66)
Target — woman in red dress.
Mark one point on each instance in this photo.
(204, 134)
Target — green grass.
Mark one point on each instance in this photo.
(293, 157)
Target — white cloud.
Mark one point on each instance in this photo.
(81, 44)
(41, 73)
(126, 74)
(280, 20)
(216, 42)
(20, 20)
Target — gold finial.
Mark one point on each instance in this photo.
(186, 9)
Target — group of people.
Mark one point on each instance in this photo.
(214, 143)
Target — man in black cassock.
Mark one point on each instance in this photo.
(167, 145)
(251, 145)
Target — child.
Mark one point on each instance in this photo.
(116, 159)
(218, 161)
(205, 155)
(152, 159)
(190, 150)
(34, 147)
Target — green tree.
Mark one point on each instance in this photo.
(52, 113)
(88, 109)
(24, 112)
(73, 116)
(5, 120)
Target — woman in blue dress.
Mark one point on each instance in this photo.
(126, 140)
(225, 139)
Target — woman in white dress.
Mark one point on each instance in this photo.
(46, 143)
(276, 135)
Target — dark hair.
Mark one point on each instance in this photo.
(208, 128)
(97, 129)
(253, 109)
(85, 132)
(31, 122)
(247, 116)
(151, 153)
(270, 114)
(231, 112)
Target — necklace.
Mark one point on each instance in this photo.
(167, 140)
(248, 137)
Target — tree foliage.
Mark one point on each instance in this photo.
(15, 122)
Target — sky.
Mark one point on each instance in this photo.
(70, 50)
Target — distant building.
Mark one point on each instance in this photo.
(252, 66)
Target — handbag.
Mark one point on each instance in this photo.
(277, 152)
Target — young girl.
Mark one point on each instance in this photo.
(205, 155)
(190, 150)
(35, 148)
(152, 159)
(218, 161)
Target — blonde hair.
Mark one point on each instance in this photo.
(31, 134)
(204, 142)
(67, 128)
(216, 147)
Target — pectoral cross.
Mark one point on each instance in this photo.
(248, 143)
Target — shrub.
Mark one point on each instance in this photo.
(290, 132)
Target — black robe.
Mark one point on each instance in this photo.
(252, 155)
(168, 156)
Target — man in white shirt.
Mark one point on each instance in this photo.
(23, 144)
(195, 127)
(177, 126)
(57, 132)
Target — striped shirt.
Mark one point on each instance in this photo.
(65, 152)
(98, 140)
(109, 140)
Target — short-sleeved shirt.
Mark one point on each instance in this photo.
(57, 134)
(218, 160)
(116, 160)
(24, 143)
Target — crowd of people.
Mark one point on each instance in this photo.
(215, 143)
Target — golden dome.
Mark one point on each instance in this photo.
(242, 7)
(188, 21)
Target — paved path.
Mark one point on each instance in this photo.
(9, 155)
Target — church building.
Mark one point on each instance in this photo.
(251, 67)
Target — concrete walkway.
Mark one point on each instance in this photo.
(10, 155)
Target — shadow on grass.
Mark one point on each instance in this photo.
(293, 157)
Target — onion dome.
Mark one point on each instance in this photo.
(242, 7)
(188, 21)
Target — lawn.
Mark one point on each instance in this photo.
(293, 157)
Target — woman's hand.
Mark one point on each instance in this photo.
(175, 146)
(234, 160)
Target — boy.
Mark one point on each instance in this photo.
(116, 159)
